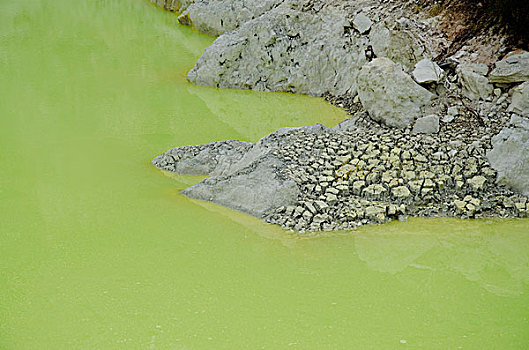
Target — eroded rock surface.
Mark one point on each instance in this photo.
(284, 50)
(221, 16)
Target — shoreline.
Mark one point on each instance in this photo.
(422, 141)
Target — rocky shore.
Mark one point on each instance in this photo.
(427, 136)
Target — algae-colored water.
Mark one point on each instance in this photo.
(99, 251)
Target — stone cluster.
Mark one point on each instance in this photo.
(373, 175)
(445, 138)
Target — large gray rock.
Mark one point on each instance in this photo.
(284, 50)
(512, 69)
(520, 100)
(426, 71)
(221, 16)
(394, 41)
(390, 95)
(475, 84)
(509, 156)
(254, 190)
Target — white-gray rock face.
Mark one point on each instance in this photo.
(284, 50)
(512, 69)
(472, 78)
(390, 95)
(520, 100)
(216, 17)
(510, 156)
(394, 41)
(362, 23)
(426, 71)
(427, 125)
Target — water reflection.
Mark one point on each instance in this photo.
(483, 251)
(254, 114)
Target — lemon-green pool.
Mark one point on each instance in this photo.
(98, 250)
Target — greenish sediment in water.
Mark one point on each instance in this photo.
(98, 249)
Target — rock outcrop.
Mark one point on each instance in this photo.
(216, 158)
(221, 16)
(390, 95)
(284, 50)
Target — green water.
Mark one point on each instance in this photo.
(99, 251)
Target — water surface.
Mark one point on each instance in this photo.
(99, 251)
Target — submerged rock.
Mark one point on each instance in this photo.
(390, 95)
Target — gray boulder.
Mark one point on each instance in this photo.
(394, 41)
(254, 190)
(284, 50)
(426, 71)
(475, 84)
(221, 16)
(513, 69)
(427, 125)
(520, 100)
(390, 95)
(509, 156)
